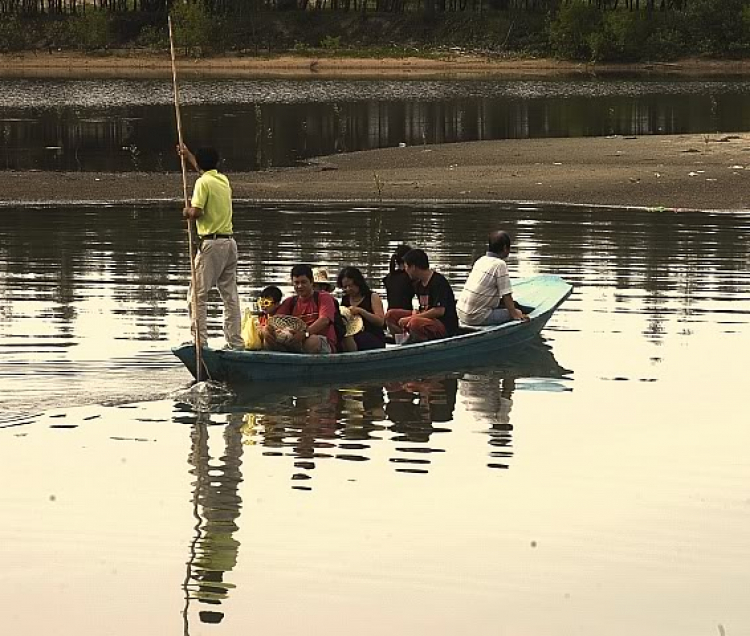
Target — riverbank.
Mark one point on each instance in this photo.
(139, 63)
(671, 171)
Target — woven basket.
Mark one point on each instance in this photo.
(292, 323)
(285, 327)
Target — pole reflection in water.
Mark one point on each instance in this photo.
(216, 508)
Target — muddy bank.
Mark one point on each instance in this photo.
(676, 171)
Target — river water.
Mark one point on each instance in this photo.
(128, 124)
(595, 483)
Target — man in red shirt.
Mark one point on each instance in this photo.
(317, 311)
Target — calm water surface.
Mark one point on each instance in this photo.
(596, 483)
(128, 124)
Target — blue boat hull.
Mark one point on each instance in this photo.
(544, 293)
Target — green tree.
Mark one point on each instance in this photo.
(717, 25)
(193, 26)
(572, 32)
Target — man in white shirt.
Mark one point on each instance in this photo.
(487, 297)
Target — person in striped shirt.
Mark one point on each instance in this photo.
(487, 297)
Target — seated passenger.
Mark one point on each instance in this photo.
(364, 302)
(399, 288)
(320, 280)
(487, 297)
(436, 317)
(316, 309)
(268, 302)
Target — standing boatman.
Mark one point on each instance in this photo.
(216, 260)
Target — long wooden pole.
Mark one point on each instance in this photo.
(190, 222)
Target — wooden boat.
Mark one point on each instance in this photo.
(535, 359)
(541, 294)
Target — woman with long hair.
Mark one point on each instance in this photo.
(363, 302)
(399, 288)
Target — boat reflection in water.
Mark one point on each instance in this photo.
(310, 424)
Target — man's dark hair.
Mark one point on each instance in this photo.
(302, 270)
(207, 158)
(499, 242)
(272, 292)
(417, 258)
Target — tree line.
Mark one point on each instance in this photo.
(62, 7)
(592, 30)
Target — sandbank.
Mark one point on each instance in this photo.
(704, 172)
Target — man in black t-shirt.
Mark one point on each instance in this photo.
(436, 317)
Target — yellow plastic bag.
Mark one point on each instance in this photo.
(251, 331)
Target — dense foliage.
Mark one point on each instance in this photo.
(591, 30)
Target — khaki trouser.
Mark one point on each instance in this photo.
(216, 266)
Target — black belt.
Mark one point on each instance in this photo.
(211, 237)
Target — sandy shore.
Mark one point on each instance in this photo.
(143, 63)
(676, 171)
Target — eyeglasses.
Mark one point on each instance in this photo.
(265, 303)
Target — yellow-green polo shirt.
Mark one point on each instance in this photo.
(213, 195)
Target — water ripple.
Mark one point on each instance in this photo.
(44, 93)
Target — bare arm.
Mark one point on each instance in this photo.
(377, 316)
(515, 313)
(189, 157)
(319, 327)
(434, 312)
(190, 212)
(326, 312)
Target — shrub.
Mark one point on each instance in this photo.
(583, 32)
(56, 33)
(717, 25)
(620, 37)
(745, 22)
(193, 27)
(14, 36)
(669, 37)
(331, 43)
(153, 37)
(631, 36)
(527, 32)
(573, 30)
(90, 30)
